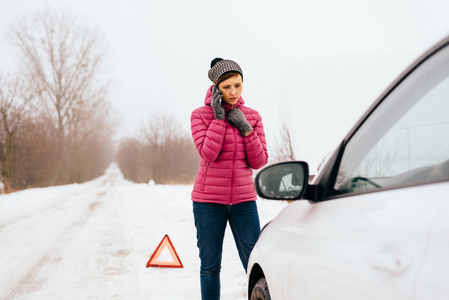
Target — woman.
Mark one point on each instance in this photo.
(230, 139)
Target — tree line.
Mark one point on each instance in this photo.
(162, 152)
(57, 124)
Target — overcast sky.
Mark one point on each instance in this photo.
(315, 65)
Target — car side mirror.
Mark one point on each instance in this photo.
(283, 181)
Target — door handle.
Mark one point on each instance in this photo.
(395, 264)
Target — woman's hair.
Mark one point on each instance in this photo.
(226, 76)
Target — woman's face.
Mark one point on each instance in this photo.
(231, 89)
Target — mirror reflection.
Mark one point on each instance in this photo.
(283, 181)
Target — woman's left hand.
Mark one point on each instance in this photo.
(237, 117)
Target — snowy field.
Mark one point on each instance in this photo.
(93, 240)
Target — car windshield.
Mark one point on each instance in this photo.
(405, 140)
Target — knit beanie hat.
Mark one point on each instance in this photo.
(219, 66)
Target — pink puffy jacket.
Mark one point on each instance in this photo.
(227, 158)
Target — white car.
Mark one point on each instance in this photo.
(376, 223)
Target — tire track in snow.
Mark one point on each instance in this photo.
(32, 281)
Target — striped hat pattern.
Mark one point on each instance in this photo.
(221, 67)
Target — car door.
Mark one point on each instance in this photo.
(379, 231)
(432, 280)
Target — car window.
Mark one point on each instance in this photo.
(405, 141)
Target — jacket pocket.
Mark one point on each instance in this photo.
(204, 176)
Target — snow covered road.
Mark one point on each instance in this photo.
(92, 241)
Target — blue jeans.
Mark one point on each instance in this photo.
(211, 221)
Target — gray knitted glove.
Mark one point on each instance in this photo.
(236, 117)
(217, 98)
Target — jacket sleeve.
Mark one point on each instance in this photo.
(208, 139)
(256, 146)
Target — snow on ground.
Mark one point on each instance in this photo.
(93, 240)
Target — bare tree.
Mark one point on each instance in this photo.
(131, 160)
(15, 101)
(163, 153)
(62, 60)
(284, 149)
(160, 135)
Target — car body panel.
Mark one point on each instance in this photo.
(376, 246)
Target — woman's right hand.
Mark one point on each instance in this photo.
(217, 99)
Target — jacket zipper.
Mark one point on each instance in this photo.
(204, 176)
(231, 194)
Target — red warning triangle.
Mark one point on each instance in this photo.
(154, 261)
